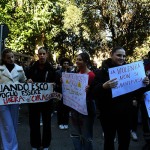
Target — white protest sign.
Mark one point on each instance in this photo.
(147, 101)
(73, 89)
(130, 77)
(18, 93)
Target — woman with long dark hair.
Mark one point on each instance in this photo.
(115, 112)
(82, 125)
(9, 73)
(40, 71)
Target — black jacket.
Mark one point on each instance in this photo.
(58, 76)
(45, 75)
(105, 102)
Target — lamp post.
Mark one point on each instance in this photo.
(3, 34)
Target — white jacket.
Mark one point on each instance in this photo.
(15, 76)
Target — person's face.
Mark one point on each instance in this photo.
(66, 65)
(80, 63)
(95, 64)
(9, 58)
(119, 56)
(42, 56)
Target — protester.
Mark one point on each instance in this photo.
(40, 71)
(82, 125)
(144, 113)
(94, 67)
(115, 112)
(62, 110)
(10, 73)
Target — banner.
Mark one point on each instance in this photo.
(73, 89)
(18, 93)
(147, 101)
(130, 77)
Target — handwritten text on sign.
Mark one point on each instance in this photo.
(147, 102)
(130, 77)
(26, 93)
(73, 89)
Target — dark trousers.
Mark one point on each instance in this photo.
(35, 111)
(145, 122)
(134, 118)
(62, 114)
(113, 124)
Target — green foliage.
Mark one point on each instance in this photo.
(141, 51)
(31, 23)
(123, 18)
(72, 18)
(69, 26)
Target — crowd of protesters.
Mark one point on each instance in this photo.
(118, 115)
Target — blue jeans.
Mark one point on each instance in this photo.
(82, 131)
(8, 126)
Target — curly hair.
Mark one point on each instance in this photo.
(63, 60)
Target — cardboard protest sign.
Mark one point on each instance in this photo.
(147, 101)
(73, 91)
(18, 93)
(130, 77)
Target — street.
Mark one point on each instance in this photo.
(61, 139)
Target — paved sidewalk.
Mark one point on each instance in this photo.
(61, 139)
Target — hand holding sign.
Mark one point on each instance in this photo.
(18, 93)
(130, 78)
(110, 83)
(29, 81)
(87, 88)
(146, 81)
